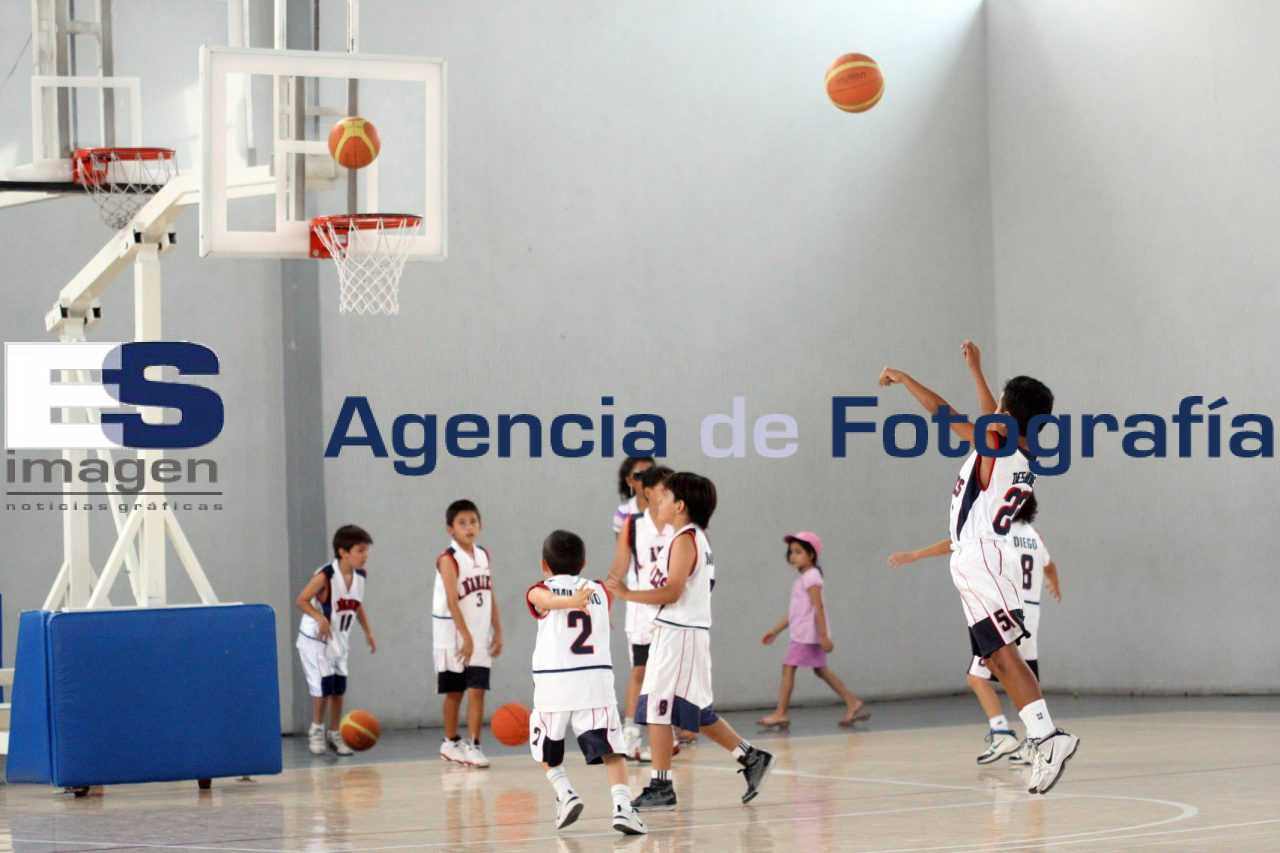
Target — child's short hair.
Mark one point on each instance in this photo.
(457, 507)
(624, 471)
(1027, 512)
(655, 475)
(698, 494)
(1024, 398)
(564, 553)
(348, 537)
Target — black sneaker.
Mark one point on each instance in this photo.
(659, 796)
(756, 765)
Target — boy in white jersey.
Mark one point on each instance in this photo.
(640, 541)
(466, 634)
(573, 680)
(677, 680)
(331, 601)
(1035, 566)
(987, 495)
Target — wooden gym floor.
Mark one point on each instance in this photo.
(1151, 775)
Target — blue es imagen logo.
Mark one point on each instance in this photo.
(32, 392)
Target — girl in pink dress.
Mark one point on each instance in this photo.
(810, 634)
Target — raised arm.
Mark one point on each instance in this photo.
(973, 357)
(926, 397)
(904, 558)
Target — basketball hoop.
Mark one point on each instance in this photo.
(121, 180)
(370, 250)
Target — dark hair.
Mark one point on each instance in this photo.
(457, 507)
(698, 494)
(348, 537)
(809, 548)
(564, 552)
(654, 476)
(624, 470)
(1024, 398)
(1027, 512)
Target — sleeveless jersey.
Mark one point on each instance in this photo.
(1032, 558)
(339, 604)
(475, 599)
(979, 514)
(572, 667)
(647, 543)
(693, 608)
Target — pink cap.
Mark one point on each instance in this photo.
(806, 536)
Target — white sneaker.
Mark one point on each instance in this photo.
(339, 745)
(1022, 755)
(452, 750)
(626, 821)
(568, 809)
(646, 757)
(1000, 743)
(631, 743)
(315, 740)
(474, 755)
(1049, 759)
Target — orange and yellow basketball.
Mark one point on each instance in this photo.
(854, 83)
(354, 142)
(360, 729)
(510, 724)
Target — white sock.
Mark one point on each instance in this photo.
(1036, 716)
(626, 722)
(334, 733)
(660, 775)
(621, 796)
(741, 749)
(317, 727)
(999, 724)
(560, 781)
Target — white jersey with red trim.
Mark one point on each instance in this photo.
(572, 666)
(475, 599)
(979, 514)
(693, 608)
(646, 544)
(1032, 558)
(340, 604)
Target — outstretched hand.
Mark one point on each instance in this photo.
(971, 354)
(898, 559)
(890, 376)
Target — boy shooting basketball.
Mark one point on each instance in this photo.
(987, 495)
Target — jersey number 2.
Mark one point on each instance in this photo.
(1004, 517)
(580, 646)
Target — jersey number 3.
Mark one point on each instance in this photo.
(580, 645)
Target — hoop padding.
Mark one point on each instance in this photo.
(122, 180)
(105, 697)
(370, 250)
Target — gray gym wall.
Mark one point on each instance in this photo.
(656, 203)
(1134, 176)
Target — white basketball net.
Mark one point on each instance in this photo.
(370, 250)
(122, 180)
